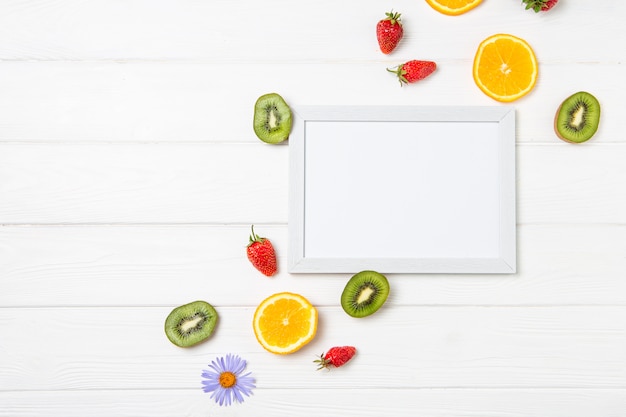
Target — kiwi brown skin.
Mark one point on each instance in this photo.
(190, 324)
(272, 118)
(364, 294)
(577, 118)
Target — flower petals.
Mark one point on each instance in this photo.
(225, 396)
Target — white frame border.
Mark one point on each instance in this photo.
(503, 115)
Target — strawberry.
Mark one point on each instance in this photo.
(539, 5)
(336, 356)
(261, 254)
(413, 71)
(389, 31)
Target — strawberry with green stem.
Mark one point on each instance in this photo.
(261, 254)
(539, 5)
(389, 32)
(336, 356)
(413, 71)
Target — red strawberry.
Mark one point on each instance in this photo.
(261, 253)
(539, 5)
(389, 31)
(413, 71)
(336, 356)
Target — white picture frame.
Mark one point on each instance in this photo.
(402, 189)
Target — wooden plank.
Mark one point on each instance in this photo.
(274, 31)
(143, 183)
(159, 265)
(398, 348)
(239, 183)
(447, 402)
(213, 102)
(553, 184)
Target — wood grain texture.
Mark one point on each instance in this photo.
(213, 102)
(64, 266)
(400, 347)
(73, 30)
(448, 402)
(130, 176)
(221, 183)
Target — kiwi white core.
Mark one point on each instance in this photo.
(364, 294)
(578, 118)
(272, 120)
(187, 325)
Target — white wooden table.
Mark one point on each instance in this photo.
(130, 176)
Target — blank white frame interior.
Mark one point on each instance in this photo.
(401, 189)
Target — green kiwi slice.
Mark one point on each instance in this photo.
(364, 293)
(272, 118)
(577, 118)
(191, 323)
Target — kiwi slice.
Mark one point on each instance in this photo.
(364, 293)
(577, 118)
(272, 118)
(191, 323)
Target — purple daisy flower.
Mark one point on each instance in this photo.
(226, 380)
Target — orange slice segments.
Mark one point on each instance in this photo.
(453, 7)
(285, 322)
(505, 67)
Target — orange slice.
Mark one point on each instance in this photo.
(453, 7)
(284, 322)
(505, 67)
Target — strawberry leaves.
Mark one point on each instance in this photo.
(539, 5)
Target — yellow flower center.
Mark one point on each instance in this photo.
(227, 379)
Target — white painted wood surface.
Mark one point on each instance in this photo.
(130, 175)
